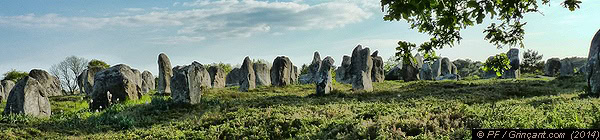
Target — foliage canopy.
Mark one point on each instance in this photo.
(14, 75)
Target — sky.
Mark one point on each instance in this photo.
(39, 33)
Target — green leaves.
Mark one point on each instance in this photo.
(444, 19)
(498, 64)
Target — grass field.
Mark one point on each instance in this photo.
(395, 110)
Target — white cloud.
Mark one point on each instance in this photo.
(220, 19)
(172, 40)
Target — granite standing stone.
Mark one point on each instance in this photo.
(48, 82)
(263, 74)
(248, 80)
(164, 74)
(566, 67)
(113, 85)
(361, 66)
(552, 67)
(514, 71)
(233, 78)
(28, 97)
(593, 65)
(282, 71)
(188, 82)
(148, 82)
(425, 72)
(7, 86)
(217, 76)
(377, 73)
(325, 78)
(343, 73)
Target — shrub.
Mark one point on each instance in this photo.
(97, 63)
(498, 64)
(532, 62)
(14, 75)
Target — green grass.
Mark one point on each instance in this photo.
(395, 110)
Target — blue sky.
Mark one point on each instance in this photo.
(37, 34)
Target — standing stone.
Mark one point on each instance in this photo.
(88, 79)
(361, 66)
(446, 66)
(28, 97)
(248, 80)
(566, 67)
(217, 76)
(188, 82)
(425, 72)
(2, 96)
(113, 85)
(313, 68)
(343, 74)
(395, 73)
(263, 75)
(552, 67)
(138, 79)
(147, 82)
(7, 86)
(514, 71)
(48, 82)
(164, 74)
(593, 65)
(81, 80)
(233, 78)
(436, 68)
(295, 75)
(410, 72)
(282, 71)
(419, 59)
(377, 73)
(325, 78)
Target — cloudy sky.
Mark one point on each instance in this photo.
(39, 33)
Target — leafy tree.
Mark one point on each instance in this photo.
(226, 67)
(304, 69)
(98, 63)
(390, 63)
(498, 64)
(14, 75)
(444, 19)
(532, 62)
(468, 67)
(67, 71)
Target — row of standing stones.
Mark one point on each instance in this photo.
(185, 83)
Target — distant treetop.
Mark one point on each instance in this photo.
(14, 75)
(99, 63)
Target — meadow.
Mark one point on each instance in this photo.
(395, 110)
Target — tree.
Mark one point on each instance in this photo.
(98, 63)
(14, 75)
(498, 64)
(444, 19)
(67, 71)
(532, 62)
(390, 63)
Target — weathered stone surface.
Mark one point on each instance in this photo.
(361, 66)
(436, 68)
(137, 77)
(2, 96)
(283, 72)
(28, 97)
(295, 75)
(342, 73)
(446, 66)
(263, 74)
(425, 72)
(164, 74)
(7, 86)
(248, 80)
(491, 73)
(410, 72)
(88, 79)
(48, 82)
(566, 67)
(217, 76)
(313, 69)
(377, 72)
(419, 59)
(514, 71)
(114, 85)
(233, 78)
(148, 82)
(552, 67)
(593, 65)
(324, 77)
(395, 73)
(188, 82)
(80, 81)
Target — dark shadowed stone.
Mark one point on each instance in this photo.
(164, 74)
(282, 72)
(514, 71)
(248, 80)
(188, 82)
(552, 67)
(148, 83)
(7, 85)
(233, 78)
(377, 72)
(566, 67)
(313, 69)
(217, 76)
(593, 65)
(113, 85)
(48, 82)
(410, 72)
(28, 97)
(425, 72)
(325, 78)
(361, 66)
(395, 73)
(263, 74)
(342, 73)
(446, 66)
